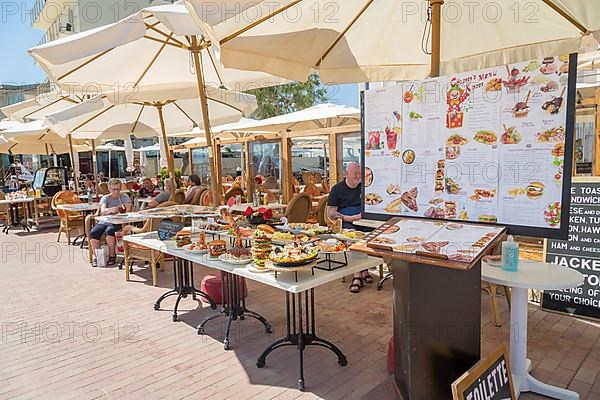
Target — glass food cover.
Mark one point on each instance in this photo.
(50, 180)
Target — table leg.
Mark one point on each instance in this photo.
(301, 334)
(183, 277)
(233, 307)
(519, 364)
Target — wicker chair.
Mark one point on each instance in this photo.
(322, 211)
(4, 212)
(233, 192)
(89, 223)
(102, 188)
(325, 186)
(312, 190)
(178, 196)
(69, 220)
(196, 199)
(298, 208)
(134, 251)
(206, 199)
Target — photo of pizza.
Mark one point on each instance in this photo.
(391, 229)
(372, 199)
(368, 177)
(409, 199)
(434, 247)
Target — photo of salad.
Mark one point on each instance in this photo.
(552, 214)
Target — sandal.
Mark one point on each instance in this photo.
(355, 287)
(95, 263)
(111, 260)
(366, 277)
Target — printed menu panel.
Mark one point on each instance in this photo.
(484, 146)
(456, 241)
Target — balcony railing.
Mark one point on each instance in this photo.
(36, 10)
(64, 25)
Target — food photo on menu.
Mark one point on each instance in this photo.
(482, 146)
(452, 240)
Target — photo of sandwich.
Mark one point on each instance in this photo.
(393, 189)
(450, 209)
(452, 152)
(487, 218)
(558, 150)
(394, 206)
(479, 194)
(485, 137)
(535, 190)
(368, 177)
(452, 187)
(456, 140)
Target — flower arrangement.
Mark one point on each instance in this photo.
(164, 174)
(259, 180)
(258, 216)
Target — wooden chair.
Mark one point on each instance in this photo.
(298, 208)
(492, 291)
(206, 199)
(178, 196)
(196, 199)
(325, 186)
(322, 211)
(133, 252)
(4, 212)
(102, 188)
(312, 190)
(69, 220)
(233, 192)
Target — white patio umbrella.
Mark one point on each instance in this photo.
(129, 154)
(163, 153)
(110, 148)
(143, 161)
(383, 40)
(35, 138)
(41, 105)
(156, 46)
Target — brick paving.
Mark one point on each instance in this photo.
(73, 332)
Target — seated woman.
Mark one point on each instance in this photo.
(147, 189)
(194, 182)
(90, 183)
(112, 203)
(163, 196)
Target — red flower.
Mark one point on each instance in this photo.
(136, 187)
(259, 179)
(268, 214)
(248, 211)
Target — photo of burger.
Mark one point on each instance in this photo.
(535, 190)
(183, 238)
(216, 248)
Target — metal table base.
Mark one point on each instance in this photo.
(301, 332)
(183, 277)
(233, 307)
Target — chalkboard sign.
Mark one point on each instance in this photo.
(167, 229)
(489, 379)
(581, 252)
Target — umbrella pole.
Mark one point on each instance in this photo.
(75, 164)
(109, 169)
(170, 163)
(436, 29)
(94, 165)
(204, 106)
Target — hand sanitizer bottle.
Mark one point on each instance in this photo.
(510, 255)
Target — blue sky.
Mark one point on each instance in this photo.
(18, 68)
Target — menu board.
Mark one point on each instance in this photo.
(489, 146)
(451, 240)
(580, 252)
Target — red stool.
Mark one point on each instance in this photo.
(211, 285)
(390, 357)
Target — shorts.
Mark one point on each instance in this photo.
(100, 229)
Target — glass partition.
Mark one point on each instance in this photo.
(266, 161)
(200, 165)
(348, 152)
(231, 160)
(310, 155)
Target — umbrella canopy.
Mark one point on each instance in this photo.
(35, 138)
(151, 47)
(148, 110)
(154, 147)
(109, 147)
(40, 106)
(143, 160)
(291, 38)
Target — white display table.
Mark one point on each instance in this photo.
(531, 275)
